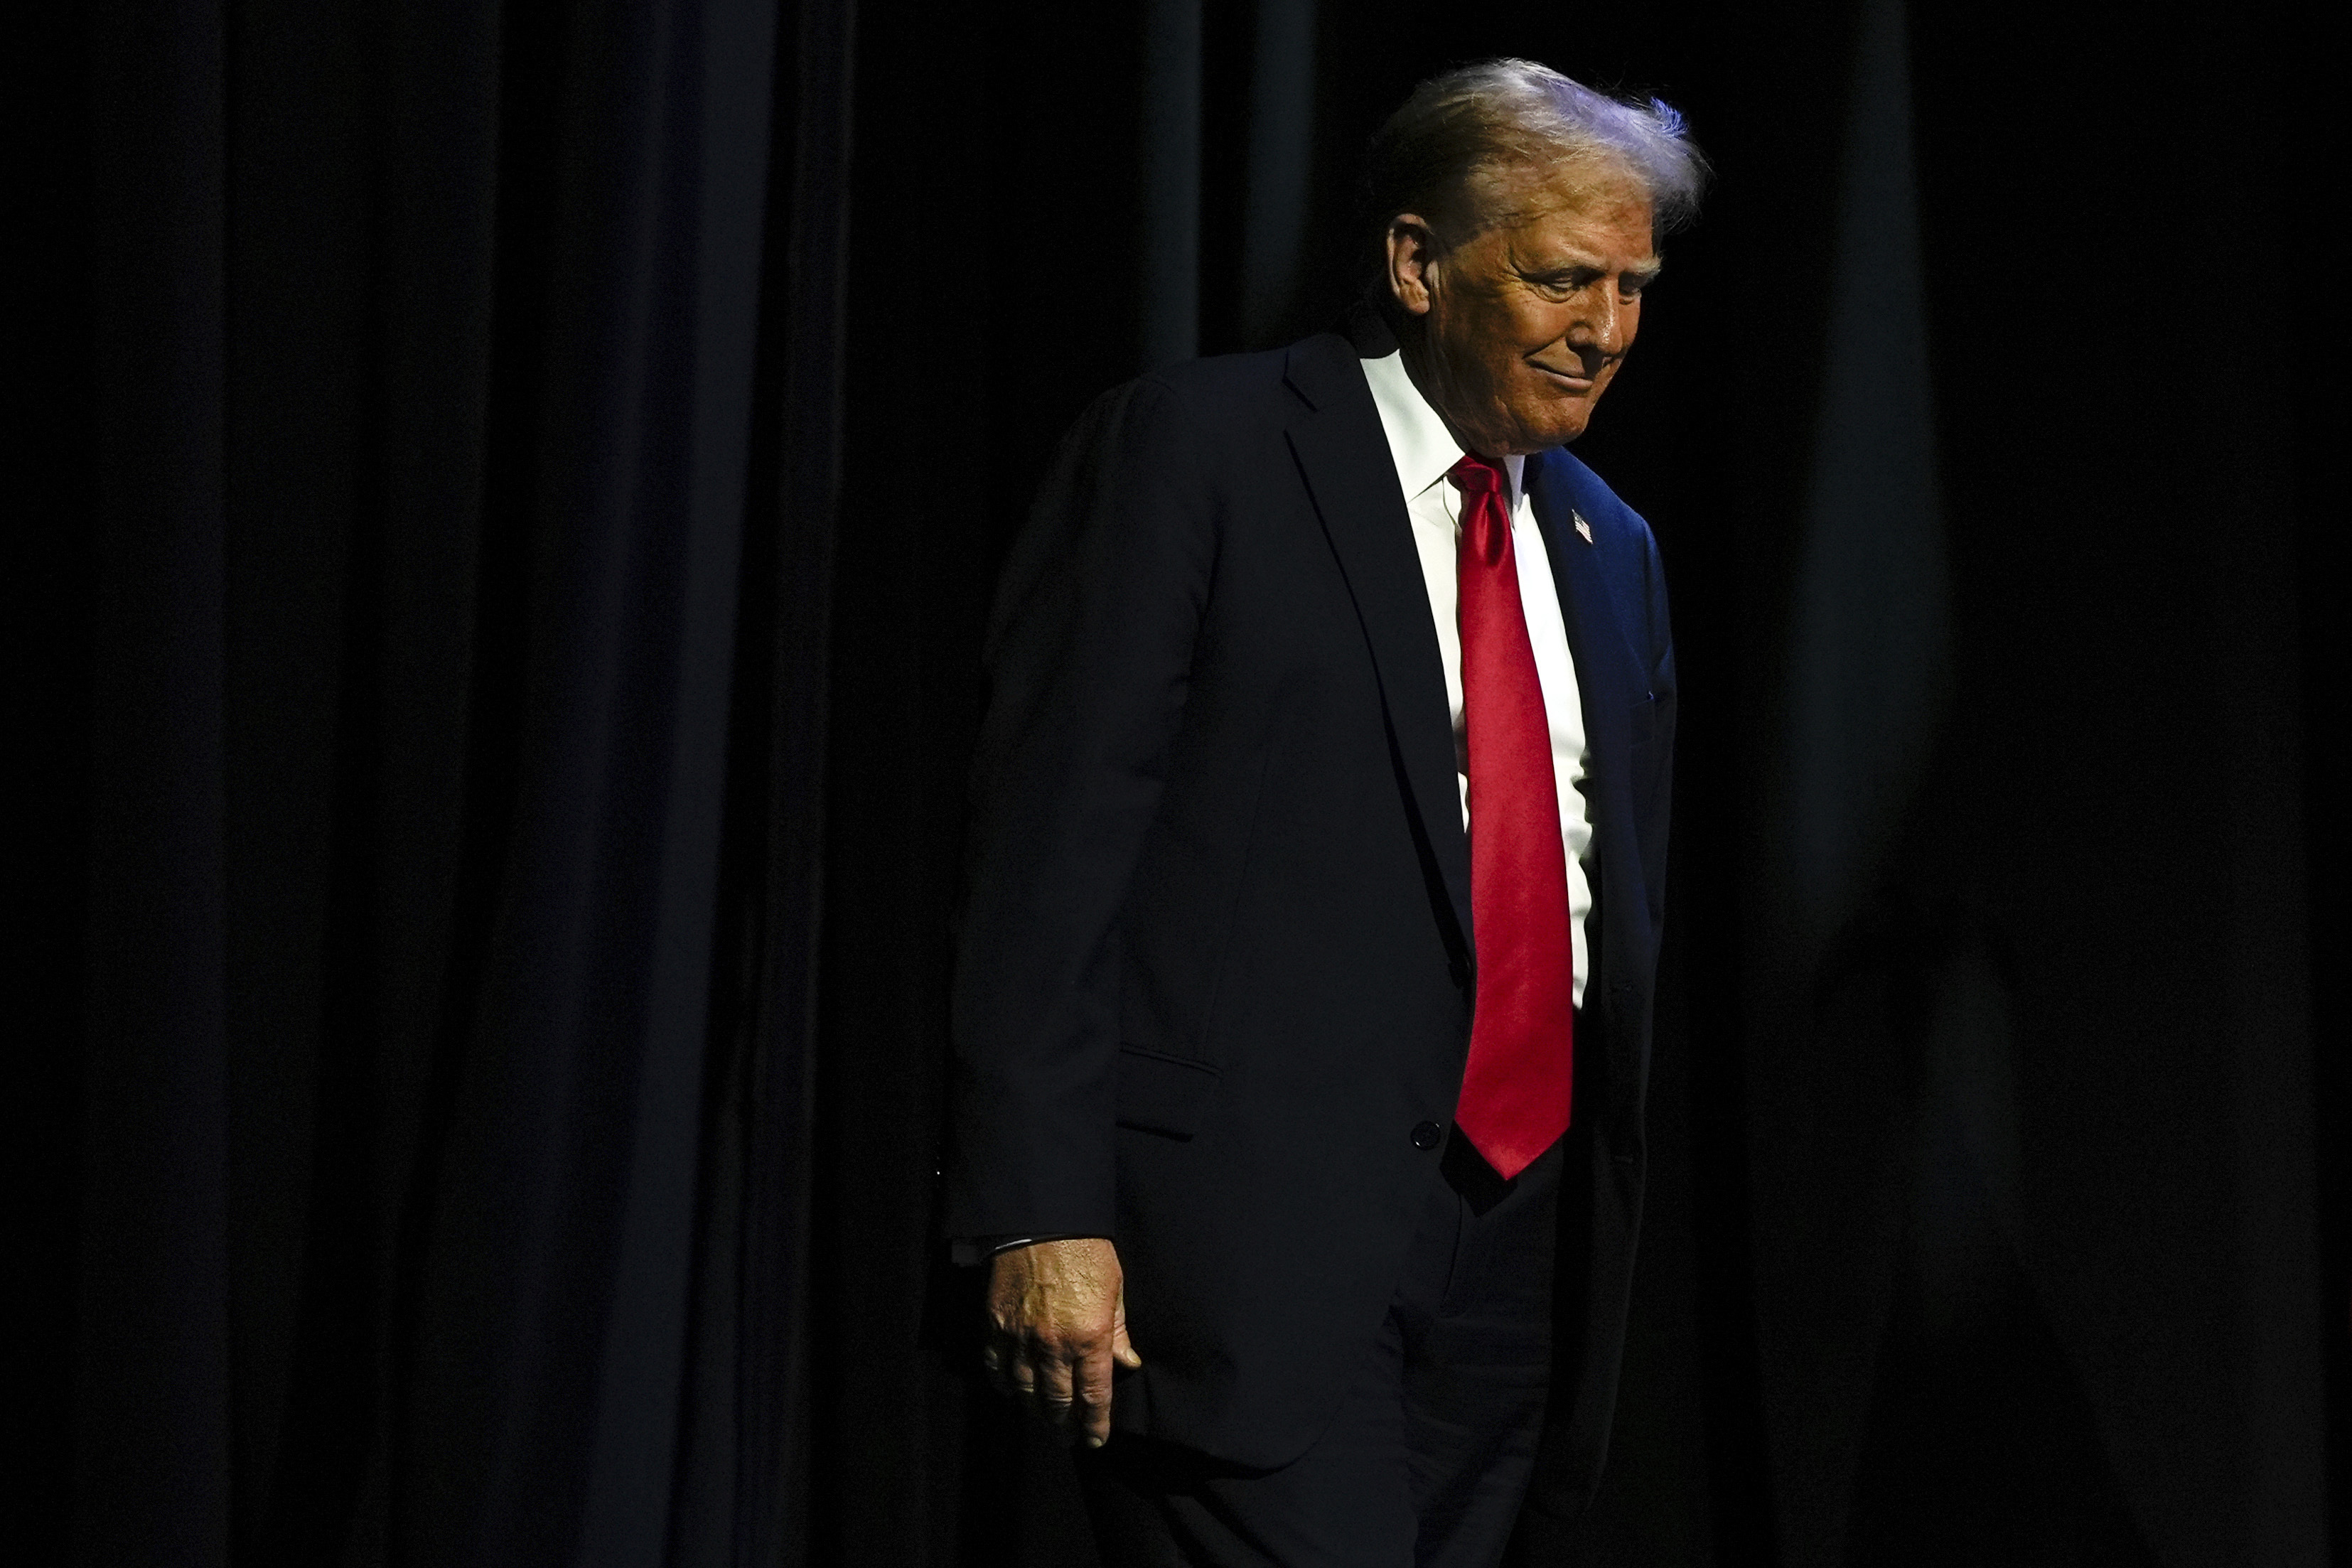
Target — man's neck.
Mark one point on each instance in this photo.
(1416, 366)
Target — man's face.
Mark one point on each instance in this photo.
(1524, 325)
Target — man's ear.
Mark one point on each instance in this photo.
(1411, 252)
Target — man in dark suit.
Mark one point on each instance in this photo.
(1302, 1013)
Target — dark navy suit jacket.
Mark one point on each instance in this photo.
(1215, 961)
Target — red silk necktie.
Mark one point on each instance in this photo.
(1515, 1090)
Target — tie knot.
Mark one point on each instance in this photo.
(1477, 475)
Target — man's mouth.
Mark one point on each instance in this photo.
(1573, 381)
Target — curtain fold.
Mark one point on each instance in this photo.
(442, 362)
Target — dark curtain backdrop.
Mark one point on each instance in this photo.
(504, 499)
(427, 466)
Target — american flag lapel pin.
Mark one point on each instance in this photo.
(1583, 529)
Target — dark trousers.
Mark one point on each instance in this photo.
(1427, 1458)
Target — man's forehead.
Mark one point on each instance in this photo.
(1583, 181)
(1543, 245)
(1574, 210)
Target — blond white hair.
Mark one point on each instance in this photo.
(1464, 145)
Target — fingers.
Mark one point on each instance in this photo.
(1066, 1387)
(999, 1359)
(1033, 1375)
(1055, 1395)
(1091, 1410)
(1121, 1350)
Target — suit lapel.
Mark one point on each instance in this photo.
(1596, 641)
(1596, 634)
(1344, 456)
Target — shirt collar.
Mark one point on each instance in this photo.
(1424, 448)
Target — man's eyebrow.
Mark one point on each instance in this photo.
(1640, 277)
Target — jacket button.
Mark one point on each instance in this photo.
(1427, 1134)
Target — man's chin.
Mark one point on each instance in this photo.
(1556, 428)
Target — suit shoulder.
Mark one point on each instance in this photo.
(1191, 396)
(1206, 410)
(1622, 547)
(1617, 528)
(1219, 377)
(1226, 393)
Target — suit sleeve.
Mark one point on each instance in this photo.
(1090, 650)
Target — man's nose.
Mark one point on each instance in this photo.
(1608, 322)
(1600, 329)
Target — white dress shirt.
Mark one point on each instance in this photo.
(1424, 449)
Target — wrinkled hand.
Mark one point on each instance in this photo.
(1056, 1324)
